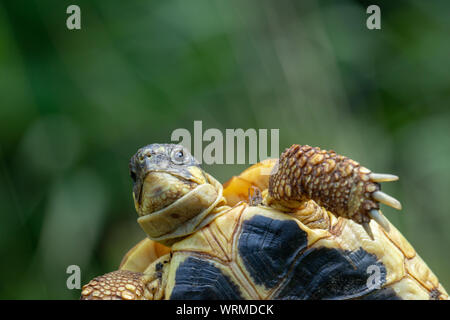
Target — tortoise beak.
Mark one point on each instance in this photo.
(137, 190)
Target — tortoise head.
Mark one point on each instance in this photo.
(161, 174)
(171, 193)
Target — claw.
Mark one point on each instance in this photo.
(366, 227)
(380, 219)
(382, 177)
(387, 200)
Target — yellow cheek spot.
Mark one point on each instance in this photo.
(198, 174)
(185, 190)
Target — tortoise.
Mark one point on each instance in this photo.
(305, 226)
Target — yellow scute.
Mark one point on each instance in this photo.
(200, 242)
(420, 271)
(227, 222)
(409, 289)
(401, 243)
(142, 254)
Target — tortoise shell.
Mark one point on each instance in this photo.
(258, 251)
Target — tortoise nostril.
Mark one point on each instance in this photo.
(147, 154)
(144, 155)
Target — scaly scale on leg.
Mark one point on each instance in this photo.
(335, 182)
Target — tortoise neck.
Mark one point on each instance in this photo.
(186, 215)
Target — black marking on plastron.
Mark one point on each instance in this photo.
(324, 273)
(382, 294)
(197, 279)
(268, 247)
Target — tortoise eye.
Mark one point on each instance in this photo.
(178, 156)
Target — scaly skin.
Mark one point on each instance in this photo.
(335, 182)
(117, 285)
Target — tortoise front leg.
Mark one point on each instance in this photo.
(130, 285)
(339, 184)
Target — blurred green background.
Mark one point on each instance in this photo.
(75, 106)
